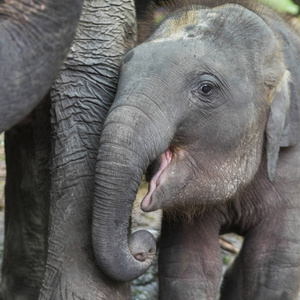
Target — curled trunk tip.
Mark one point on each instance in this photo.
(139, 255)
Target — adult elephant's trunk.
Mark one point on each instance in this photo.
(131, 139)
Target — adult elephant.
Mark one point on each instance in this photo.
(51, 157)
(210, 101)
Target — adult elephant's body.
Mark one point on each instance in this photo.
(211, 101)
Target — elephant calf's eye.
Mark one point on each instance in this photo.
(205, 89)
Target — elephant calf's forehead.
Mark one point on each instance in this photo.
(227, 22)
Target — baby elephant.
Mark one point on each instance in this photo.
(210, 101)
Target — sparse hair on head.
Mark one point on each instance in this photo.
(157, 13)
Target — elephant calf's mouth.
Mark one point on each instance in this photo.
(165, 159)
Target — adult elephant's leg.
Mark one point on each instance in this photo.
(190, 264)
(27, 195)
(81, 98)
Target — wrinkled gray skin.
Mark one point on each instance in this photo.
(59, 263)
(81, 97)
(213, 98)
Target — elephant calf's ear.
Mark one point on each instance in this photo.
(278, 125)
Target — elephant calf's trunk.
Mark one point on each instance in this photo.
(142, 245)
(126, 150)
(121, 257)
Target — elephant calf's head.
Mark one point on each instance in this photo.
(193, 101)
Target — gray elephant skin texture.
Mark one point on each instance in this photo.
(208, 107)
(34, 40)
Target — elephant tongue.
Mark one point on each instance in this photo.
(165, 160)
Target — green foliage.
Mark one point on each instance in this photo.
(287, 6)
(226, 260)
